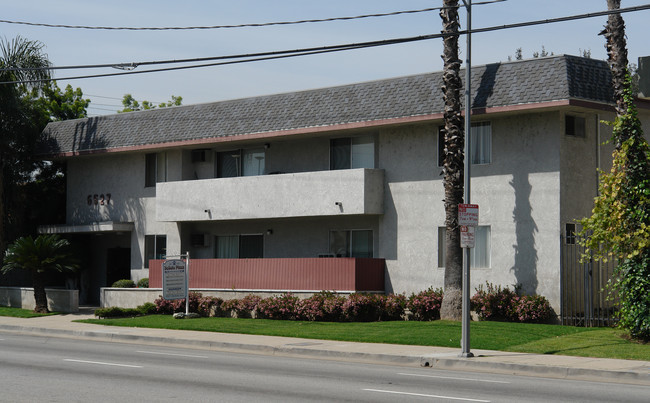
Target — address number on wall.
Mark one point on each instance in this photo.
(103, 199)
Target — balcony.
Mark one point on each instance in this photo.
(306, 194)
(300, 274)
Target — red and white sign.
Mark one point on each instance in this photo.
(468, 215)
(467, 236)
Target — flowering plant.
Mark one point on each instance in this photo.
(426, 304)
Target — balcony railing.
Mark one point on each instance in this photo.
(305, 194)
(285, 274)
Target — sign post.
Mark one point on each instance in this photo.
(176, 279)
(468, 221)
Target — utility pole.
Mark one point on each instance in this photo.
(465, 341)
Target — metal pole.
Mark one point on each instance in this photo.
(465, 343)
(187, 282)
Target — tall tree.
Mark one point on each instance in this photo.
(43, 254)
(20, 60)
(453, 169)
(616, 46)
(620, 222)
(132, 105)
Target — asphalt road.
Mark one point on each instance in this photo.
(51, 369)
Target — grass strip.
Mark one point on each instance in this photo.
(501, 336)
(22, 313)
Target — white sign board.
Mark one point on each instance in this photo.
(467, 236)
(468, 215)
(174, 279)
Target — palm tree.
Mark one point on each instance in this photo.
(41, 255)
(453, 168)
(20, 53)
(616, 45)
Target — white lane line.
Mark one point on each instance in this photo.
(103, 363)
(426, 395)
(449, 377)
(172, 354)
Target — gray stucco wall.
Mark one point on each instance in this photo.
(517, 193)
(536, 181)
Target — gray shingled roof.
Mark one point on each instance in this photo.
(500, 84)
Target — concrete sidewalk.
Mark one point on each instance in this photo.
(550, 366)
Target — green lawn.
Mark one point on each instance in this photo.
(22, 313)
(519, 337)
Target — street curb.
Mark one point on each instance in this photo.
(544, 371)
(442, 362)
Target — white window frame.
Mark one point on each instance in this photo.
(485, 243)
(350, 247)
(487, 159)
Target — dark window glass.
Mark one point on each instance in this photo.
(574, 126)
(228, 164)
(150, 170)
(340, 153)
(251, 246)
(570, 234)
(155, 247)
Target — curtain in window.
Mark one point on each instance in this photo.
(363, 152)
(361, 243)
(253, 162)
(481, 151)
(161, 167)
(227, 247)
(479, 254)
(340, 243)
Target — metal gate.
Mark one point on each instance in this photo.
(583, 287)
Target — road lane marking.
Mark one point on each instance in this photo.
(172, 354)
(426, 395)
(103, 363)
(450, 377)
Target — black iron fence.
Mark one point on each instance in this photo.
(586, 299)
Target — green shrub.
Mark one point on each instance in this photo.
(204, 306)
(116, 312)
(143, 283)
(148, 308)
(503, 304)
(324, 306)
(125, 283)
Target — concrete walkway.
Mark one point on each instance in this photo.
(550, 366)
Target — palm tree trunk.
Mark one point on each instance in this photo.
(453, 169)
(40, 298)
(3, 215)
(616, 45)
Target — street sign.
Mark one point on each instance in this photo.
(467, 236)
(174, 279)
(468, 215)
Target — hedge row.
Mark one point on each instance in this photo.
(493, 303)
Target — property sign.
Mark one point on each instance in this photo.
(468, 215)
(467, 236)
(174, 279)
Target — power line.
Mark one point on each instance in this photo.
(101, 96)
(250, 25)
(326, 49)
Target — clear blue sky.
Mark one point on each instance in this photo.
(81, 47)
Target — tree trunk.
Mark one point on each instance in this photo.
(3, 213)
(40, 298)
(616, 46)
(453, 168)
